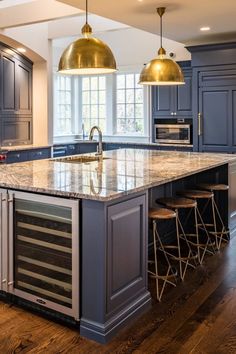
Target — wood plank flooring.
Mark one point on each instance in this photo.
(197, 317)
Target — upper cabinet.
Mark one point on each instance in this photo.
(173, 101)
(16, 85)
(15, 98)
(214, 97)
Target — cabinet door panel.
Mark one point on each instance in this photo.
(16, 131)
(23, 89)
(8, 84)
(162, 97)
(184, 98)
(214, 106)
(126, 250)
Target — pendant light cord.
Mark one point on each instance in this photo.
(86, 11)
(161, 29)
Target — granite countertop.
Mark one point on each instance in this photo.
(125, 171)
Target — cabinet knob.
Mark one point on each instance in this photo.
(175, 113)
(4, 281)
(10, 283)
(172, 113)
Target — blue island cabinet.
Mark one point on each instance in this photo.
(114, 264)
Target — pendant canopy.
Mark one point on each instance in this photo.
(161, 70)
(87, 55)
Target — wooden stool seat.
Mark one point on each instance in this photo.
(196, 194)
(161, 214)
(213, 187)
(177, 203)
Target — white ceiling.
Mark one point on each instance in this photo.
(10, 3)
(182, 20)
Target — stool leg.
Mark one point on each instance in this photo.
(214, 222)
(208, 243)
(223, 230)
(182, 269)
(200, 259)
(155, 256)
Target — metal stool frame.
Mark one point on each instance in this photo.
(170, 274)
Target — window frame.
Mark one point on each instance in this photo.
(55, 103)
(111, 107)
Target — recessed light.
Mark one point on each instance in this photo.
(21, 50)
(140, 0)
(205, 28)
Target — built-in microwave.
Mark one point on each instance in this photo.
(173, 134)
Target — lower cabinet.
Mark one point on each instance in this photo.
(38, 236)
(28, 155)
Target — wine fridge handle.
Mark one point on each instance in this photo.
(10, 243)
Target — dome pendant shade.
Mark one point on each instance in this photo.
(161, 71)
(87, 56)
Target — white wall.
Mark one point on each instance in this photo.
(130, 46)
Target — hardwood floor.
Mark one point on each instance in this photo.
(197, 317)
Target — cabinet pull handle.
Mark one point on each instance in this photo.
(10, 283)
(10, 200)
(199, 124)
(4, 281)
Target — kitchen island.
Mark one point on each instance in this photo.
(114, 194)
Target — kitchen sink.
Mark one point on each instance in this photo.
(80, 159)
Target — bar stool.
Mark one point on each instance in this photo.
(219, 230)
(184, 259)
(203, 242)
(170, 273)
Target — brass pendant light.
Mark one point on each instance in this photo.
(87, 55)
(161, 70)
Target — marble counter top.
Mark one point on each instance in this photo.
(125, 171)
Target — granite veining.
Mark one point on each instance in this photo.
(125, 171)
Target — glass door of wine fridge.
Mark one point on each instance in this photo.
(44, 251)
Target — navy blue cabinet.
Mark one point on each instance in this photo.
(173, 101)
(214, 97)
(17, 156)
(88, 147)
(214, 110)
(15, 98)
(39, 154)
(162, 101)
(215, 121)
(28, 155)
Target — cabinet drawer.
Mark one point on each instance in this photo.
(39, 154)
(88, 147)
(72, 149)
(18, 156)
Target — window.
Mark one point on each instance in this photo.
(129, 104)
(116, 103)
(94, 102)
(63, 107)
